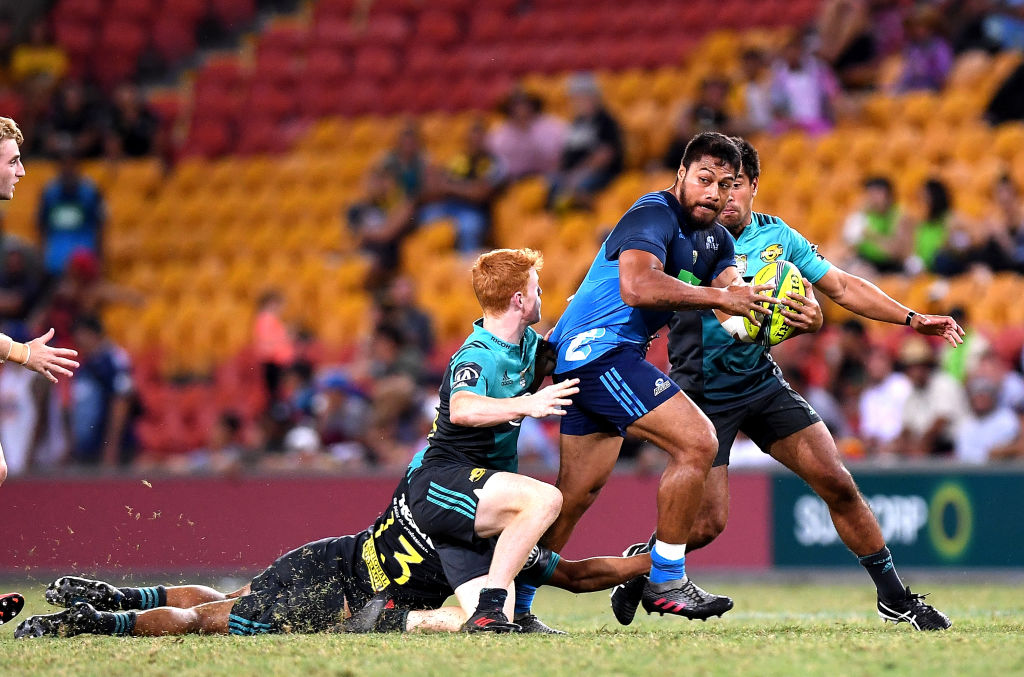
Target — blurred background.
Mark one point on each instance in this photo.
(255, 220)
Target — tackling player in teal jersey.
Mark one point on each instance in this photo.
(482, 517)
(739, 387)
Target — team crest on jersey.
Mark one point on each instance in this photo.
(466, 374)
(661, 385)
(771, 253)
(695, 258)
(711, 244)
(741, 264)
(476, 474)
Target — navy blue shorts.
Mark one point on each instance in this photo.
(616, 389)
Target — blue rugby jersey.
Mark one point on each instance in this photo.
(708, 364)
(597, 319)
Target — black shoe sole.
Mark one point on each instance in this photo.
(67, 590)
(11, 605)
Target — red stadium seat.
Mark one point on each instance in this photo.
(10, 105)
(336, 33)
(123, 38)
(333, 9)
(78, 11)
(280, 67)
(436, 27)
(234, 13)
(271, 100)
(173, 38)
(488, 25)
(326, 65)
(187, 10)
(78, 39)
(387, 29)
(132, 10)
(284, 38)
(376, 63)
(210, 137)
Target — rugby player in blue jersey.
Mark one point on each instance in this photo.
(665, 254)
(739, 387)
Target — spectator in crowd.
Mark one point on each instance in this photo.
(933, 408)
(593, 151)
(39, 56)
(988, 426)
(223, 454)
(21, 278)
(379, 219)
(342, 417)
(927, 55)
(848, 42)
(102, 398)
(133, 126)
(273, 342)
(881, 405)
(873, 231)
(81, 290)
(755, 88)
(804, 92)
(707, 114)
(467, 188)
(991, 366)
(1002, 247)
(75, 124)
(72, 215)
(407, 162)
(930, 234)
(399, 309)
(527, 141)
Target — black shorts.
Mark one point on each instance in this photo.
(764, 420)
(304, 590)
(443, 501)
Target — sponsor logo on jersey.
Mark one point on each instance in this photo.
(771, 253)
(506, 380)
(695, 257)
(814, 250)
(741, 264)
(661, 385)
(476, 474)
(466, 374)
(378, 579)
(413, 529)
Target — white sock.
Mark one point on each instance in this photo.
(670, 551)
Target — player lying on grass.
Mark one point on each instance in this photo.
(391, 574)
(739, 387)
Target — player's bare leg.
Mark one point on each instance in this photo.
(210, 618)
(687, 435)
(811, 453)
(67, 590)
(518, 510)
(445, 619)
(712, 516)
(585, 464)
(713, 513)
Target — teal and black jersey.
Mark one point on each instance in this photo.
(713, 368)
(487, 366)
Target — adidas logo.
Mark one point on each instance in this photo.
(506, 380)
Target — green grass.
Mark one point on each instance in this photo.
(789, 630)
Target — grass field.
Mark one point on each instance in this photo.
(775, 629)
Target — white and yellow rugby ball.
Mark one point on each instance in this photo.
(787, 279)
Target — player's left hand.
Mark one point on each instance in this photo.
(47, 360)
(802, 311)
(939, 325)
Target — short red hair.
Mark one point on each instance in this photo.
(500, 273)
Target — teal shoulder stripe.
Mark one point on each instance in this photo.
(449, 506)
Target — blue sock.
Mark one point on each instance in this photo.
(663, 569)
(524, 598)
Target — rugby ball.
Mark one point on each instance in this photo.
(773, 329)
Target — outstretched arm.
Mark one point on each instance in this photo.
(598, 573)
(38, 357)
(864, 298)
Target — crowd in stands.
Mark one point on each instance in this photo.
(883, 399)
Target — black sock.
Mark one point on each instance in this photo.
(143, 598)
(492, 599)
(392, 620)
(116, 623)
(883, 573)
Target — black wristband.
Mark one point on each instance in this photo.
(910, 317)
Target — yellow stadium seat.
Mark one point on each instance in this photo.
(969, 71)
(918, 108)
